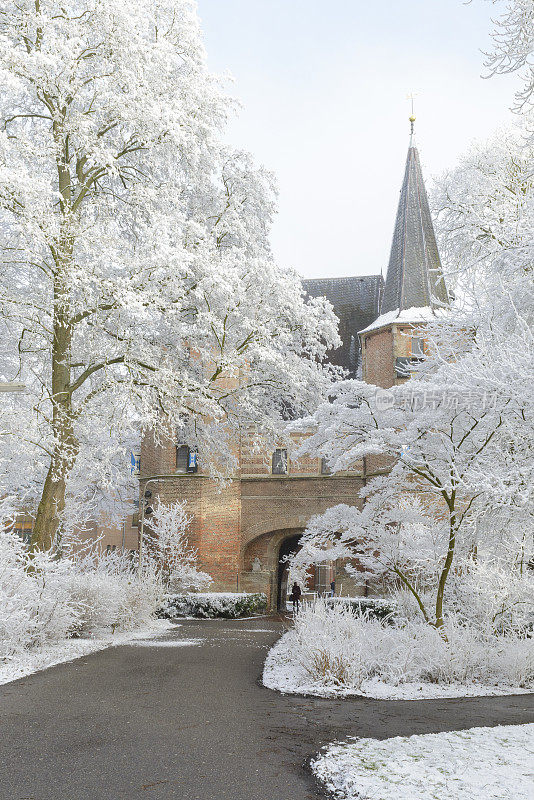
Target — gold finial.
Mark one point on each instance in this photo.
(411, 98)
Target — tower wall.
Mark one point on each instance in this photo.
(381, 349)
(378, 358)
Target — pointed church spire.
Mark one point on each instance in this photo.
(414, 278)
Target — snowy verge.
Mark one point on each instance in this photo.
(285, 672)
(28, 662)
(475, 764)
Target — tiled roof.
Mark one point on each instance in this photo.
(414, 277)
(356, 302)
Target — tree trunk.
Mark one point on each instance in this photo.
(47, 526)
(52, 504)
(448, 563)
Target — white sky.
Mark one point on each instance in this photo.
(323, 85)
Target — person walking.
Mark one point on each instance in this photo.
(333, 588)
(296, 593)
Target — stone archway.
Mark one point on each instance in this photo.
(261, 568)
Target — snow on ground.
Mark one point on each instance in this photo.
(475, 764)
(284, 673)
(31, 661)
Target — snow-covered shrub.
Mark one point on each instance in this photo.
(111, 594)
(334, 644)
(45, 598)
(171, 554)
(228, 605)
(486, 595)
(36, 605)
(374, 607)
(495, 598)
(333, 648)
(16, 591)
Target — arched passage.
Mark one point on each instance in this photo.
(262, 571)
(264, 568)
(286, 548)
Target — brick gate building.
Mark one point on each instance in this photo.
(241, 530)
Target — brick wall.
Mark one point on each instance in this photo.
(287, 502)
(220, 533)
(378, 358)
(256, 463)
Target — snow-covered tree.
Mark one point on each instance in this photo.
(485, 215)
(167, 544)
(513, 48)
(138, 289)
(447, 445)
(484, 210)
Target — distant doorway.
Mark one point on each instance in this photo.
(288, 546)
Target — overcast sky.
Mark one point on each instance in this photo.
(323, 85)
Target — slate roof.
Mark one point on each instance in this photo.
(414, 277)
(356, 302)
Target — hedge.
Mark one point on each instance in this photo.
(209, 605)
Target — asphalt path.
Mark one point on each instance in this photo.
(166, 719)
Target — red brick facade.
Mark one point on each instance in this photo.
(239, 526)
(247, 517)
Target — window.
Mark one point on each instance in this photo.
(186, 459)
(325, 467)
(279, 466)
(418, 347)
(182, 458)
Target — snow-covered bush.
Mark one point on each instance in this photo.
(334, 649)
(36, 605)
(374, 607)
(494, 598)
(172, 556)
(45, 598)
(228, 605)
(487, 595)
(111, 594)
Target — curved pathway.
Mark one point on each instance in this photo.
(164, 720)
